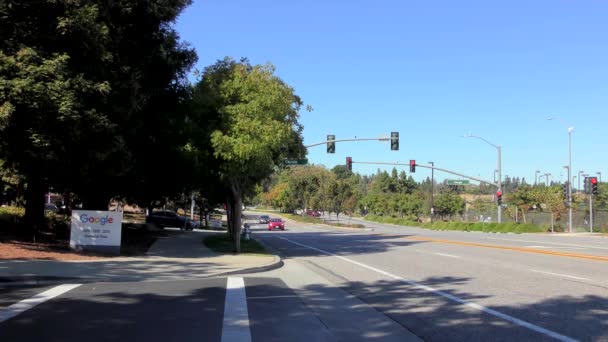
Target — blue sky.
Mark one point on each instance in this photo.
(433, 71)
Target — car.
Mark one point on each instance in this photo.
(276, 223)
(163, 219)
(50, 208)
(313, 213)
(264, 219)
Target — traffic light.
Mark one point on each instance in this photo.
(412, 166)
(594, 185)
(349, 163)
(499, 197)
(394, 141)
(331, 145)
(565, 190)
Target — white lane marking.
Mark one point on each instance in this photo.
(560, 275)
(448, 255)
(464, 302)
(26, 304)
(236, 315)
(546, 243)
(555, 247)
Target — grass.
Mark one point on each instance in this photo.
(509, 227)
(222, 243)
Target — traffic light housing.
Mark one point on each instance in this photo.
(394, 141)
(499, 197)
(349, 163)
(594, 185)
(331, 145)
(565, 190)
(412, 166)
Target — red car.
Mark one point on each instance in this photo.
(313, 213)
(276, 223)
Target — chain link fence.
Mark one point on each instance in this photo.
(580, 219)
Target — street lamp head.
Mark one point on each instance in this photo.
(550, 118)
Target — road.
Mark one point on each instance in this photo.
(445, 285)
(385, 283)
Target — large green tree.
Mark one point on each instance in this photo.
(90, 93)
(251, 117)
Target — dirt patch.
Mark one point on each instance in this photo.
(136, 240)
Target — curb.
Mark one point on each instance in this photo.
(49, 280)
(277, 263)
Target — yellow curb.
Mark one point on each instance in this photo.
(512, 248)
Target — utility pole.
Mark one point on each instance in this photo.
(432, 189)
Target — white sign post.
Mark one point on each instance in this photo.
(98, 231)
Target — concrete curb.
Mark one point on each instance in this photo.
(50, 280)
(276, 263)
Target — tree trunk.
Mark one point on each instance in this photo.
(34, 206)
(229, 219)
(238, 211)
(96, 202)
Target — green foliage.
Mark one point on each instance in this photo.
(245, 124)
(448, 204)
(463, 226)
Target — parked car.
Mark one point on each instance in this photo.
(276, 223)
(264, 219)
(313, 213)
(163, 219)
(50, 208)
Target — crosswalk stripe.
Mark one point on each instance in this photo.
(26, 304)
(236, 316)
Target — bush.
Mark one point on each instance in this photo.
(509, 227)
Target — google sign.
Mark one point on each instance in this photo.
(84, 218)
(98, 231)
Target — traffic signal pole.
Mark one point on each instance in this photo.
(340, 140)
(433, 168)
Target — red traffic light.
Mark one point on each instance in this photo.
(498, 193)
(593, 180)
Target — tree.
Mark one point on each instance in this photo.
(252, 117)
(448, 204)
(88, 92)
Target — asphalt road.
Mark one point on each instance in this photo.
(385, 283)
(446, 286)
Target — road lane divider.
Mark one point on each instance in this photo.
(451, 297)
(26, 304)
(560, 275)
(236, 315)
(510, 248)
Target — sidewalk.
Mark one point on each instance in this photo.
(179, 256)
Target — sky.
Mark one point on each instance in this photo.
(434, 71)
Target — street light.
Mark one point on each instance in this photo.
(432, 189)
(579, 180)
(547, 178)
(499, 185)
(536, 176)
(570, 129)
(599, 174)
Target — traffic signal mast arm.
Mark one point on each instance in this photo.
(355, 139)
(435, 168)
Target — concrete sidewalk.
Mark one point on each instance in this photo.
(179, 256)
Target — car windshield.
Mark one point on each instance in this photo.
(275, 220)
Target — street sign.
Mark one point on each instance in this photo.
(296, 162)
(458, 182)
